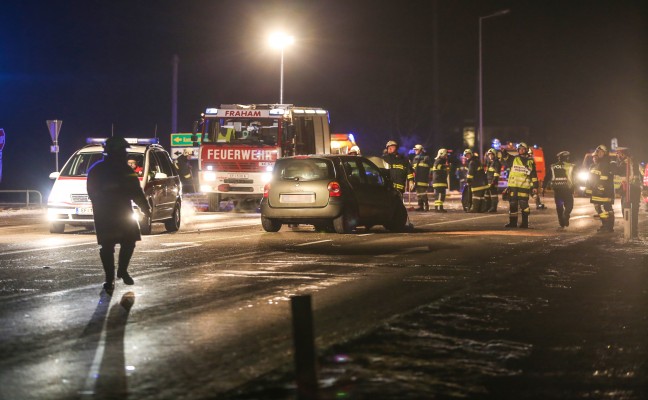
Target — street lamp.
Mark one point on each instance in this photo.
(280, 41)
(480, 134)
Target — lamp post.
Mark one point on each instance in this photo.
(480, 134)
(280, 41)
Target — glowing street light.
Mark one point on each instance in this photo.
(480, 134)
(280, 41)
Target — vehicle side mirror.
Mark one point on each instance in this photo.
(54, 175)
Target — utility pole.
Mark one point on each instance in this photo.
(174, 94)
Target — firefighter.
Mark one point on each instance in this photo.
(462, 175)
(476, 179)
(561, 181)
(440, 179)
(631, 185)
(493, 168)
(522, 182)
(421, 164)
(400, 169)
(601, 185)
(354, 151)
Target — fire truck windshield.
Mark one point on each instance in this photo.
(252, 132)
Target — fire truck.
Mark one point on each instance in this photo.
(341, 143)
(240, 144)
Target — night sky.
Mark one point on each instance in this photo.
(573, 74)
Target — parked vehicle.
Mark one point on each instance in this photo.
(333, 193)
(68, 202)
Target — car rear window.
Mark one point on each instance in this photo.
(304, 170)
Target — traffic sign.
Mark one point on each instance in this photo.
(54, 126)
(183, 139)
(2, 139)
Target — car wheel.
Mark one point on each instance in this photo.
(398, 222)
(270, 225)
(173, 224)
(146, 225)
(345, 223)
(56, 227)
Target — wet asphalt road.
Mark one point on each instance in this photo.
(458, 308)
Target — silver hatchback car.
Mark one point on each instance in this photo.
(333, 193)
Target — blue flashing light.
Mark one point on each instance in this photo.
(277, 111)
(497, 145)
(211, 111)
(351, 138)
(99, 141)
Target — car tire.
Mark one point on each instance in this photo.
(270, 225)
(398, 222)
(345, 223)
(146, 225)
(173, 224)
(56, 227)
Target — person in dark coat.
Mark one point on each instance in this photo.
(112, 184)
(184, 168)
(601, 187)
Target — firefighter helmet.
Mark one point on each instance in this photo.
(115, 144)
(418, 147)
(442, 153)
(391, 143)
(354, 149)
(492, 151)
(468, 152)
(522, 144)
(603, 148)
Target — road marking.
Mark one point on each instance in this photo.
(46, 248)
(463, 219)
(316, 242)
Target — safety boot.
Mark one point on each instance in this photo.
(493, 207)
(426, 205)
(420, 205)
(442, 210)
(512, 222)
(476, 206)
(108, 263)
(525, 221)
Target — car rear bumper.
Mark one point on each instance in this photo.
(332, 210)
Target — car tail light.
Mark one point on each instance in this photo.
(334, 189)
(266, 190)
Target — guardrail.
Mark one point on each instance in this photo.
(10, 197)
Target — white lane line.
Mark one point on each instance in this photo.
(47, 248)
(316, 242)
(459, 220)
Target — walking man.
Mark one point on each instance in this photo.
(112, 185)
(493, 169)
(561, 181)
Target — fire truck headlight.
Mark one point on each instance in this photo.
(209, 176)
(583, 176)
(266, 177)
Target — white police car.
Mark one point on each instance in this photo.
(68, 202)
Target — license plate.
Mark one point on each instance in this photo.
(238, 176)
(297, 198)
(84, 210)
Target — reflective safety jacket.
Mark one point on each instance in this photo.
(476, 177)
(562, 176)
(522, 172)
(493, 168)
(421, 164)
(440, 173)
(601, 182)
(400, 170)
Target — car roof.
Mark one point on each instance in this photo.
(325, 156)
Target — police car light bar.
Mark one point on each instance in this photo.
(102, 141)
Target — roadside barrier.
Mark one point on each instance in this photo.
(9, 198)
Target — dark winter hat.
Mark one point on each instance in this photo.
(115, 144)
